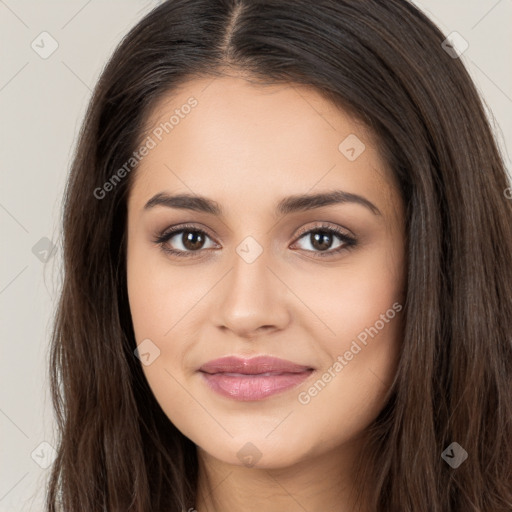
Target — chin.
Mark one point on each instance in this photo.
(254, 451)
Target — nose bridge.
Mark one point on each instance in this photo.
(252, 296)
(250, 276)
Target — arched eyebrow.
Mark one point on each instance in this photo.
(287, 205)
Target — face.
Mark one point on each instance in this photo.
(302, 295)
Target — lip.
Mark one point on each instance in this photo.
(253, 379)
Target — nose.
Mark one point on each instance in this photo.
(252, 298)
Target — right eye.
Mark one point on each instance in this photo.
(191, 240)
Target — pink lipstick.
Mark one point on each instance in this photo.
(253, 379)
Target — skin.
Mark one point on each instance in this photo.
(247, 146)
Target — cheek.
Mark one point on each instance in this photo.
(351, 297)
(359, 306)
(159, 301)
(163, 300)
(160, 295)
(362, 346)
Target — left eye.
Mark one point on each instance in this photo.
(321, 239)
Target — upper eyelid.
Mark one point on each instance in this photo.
(174, 230)
(327, 226)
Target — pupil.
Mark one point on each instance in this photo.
(321, 240)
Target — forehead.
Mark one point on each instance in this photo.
(217, 136)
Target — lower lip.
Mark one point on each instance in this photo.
(253, 387)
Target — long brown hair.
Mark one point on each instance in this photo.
(383, 61)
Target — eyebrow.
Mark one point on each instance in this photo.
(287, 205)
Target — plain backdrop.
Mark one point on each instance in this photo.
(42, 103)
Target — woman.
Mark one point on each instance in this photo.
(288, 281)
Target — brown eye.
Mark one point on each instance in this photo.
(192, 240)
(321, 240)
(182, 241)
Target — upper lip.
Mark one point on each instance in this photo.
(252, 366)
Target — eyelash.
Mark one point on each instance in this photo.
(165, 236)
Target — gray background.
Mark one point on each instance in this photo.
(42, 103)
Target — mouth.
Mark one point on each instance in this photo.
(253, 379)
